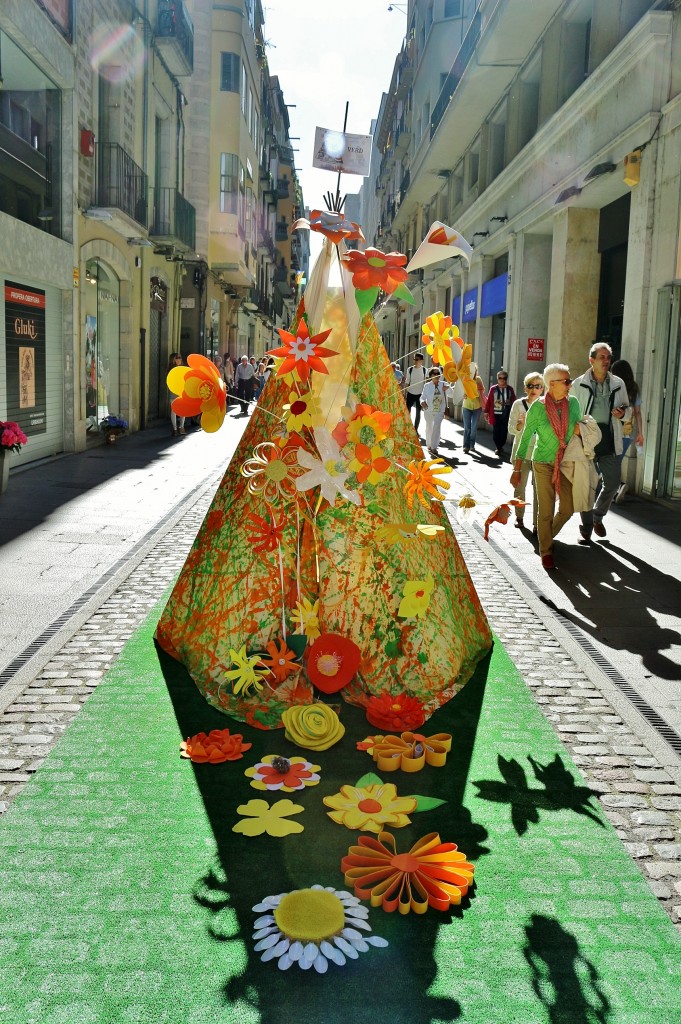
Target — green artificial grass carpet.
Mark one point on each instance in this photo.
(125, 896)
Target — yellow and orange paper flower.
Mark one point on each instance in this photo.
(303, 353)
(302, 411)
(272, 472)
(416, 598)
(201, 391)
(214, 747)
(439, 334)
(280, 661)
(431, 874)
(410, 751)
(334, 225)
(423, 481)
(375, 269)
(369, 464)
(395, 712)
(370, 808)
(364, 424)
(288, 774)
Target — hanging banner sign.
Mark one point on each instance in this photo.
(338, 151)
(535, 350)
(25, 357)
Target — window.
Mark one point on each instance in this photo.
(250, 112)
(243, 89)
(229, 78)
(452, 8)
(229, 164)
(474, 164)
(242, 199)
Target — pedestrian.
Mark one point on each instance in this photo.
(632, 424)
(500, 398)
(245, 381)
(260, 379)
(399, 376)
(415, 378)
(602, 395)
(553, 421)
(470, 411)
(534, 389)
(176, 422)
(433, 403)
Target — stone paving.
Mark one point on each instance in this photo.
(638, 796)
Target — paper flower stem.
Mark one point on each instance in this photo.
(283, 593)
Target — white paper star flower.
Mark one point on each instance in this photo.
(327, 472)
(311, 927)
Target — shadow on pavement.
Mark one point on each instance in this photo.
(565, 982)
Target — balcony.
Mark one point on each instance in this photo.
(265, 244)
(174, 219)
(460, 64)
(175, 37)
(281, 231)
(26, 182)
(281, 280)
(121, 189)
(283, 188)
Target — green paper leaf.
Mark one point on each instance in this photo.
(402, 292)
(365, 299)
(368, 780)
(426, 803)
(297, 642)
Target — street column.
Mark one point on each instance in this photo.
(575, 279)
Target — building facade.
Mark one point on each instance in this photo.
(550, 136)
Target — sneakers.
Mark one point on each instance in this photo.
(465, 451)
(548, 562)
(599, 529)
(621, 491)
(585, 532)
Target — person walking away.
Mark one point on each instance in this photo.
(632, 424)
(245, 381)
(415, 378)
(176, 422)
(500, 398)
(534, 389)
(470, 411)
(399, 376)
(552, 421)
(602, 395)
(433, 403)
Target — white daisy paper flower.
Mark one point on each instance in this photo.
(328, 472)
(310, 927)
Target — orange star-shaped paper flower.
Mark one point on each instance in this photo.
(266, 534)
(375, 269)
(281, 661)
(202, 391)
(423, 481)
(303, 353)
(334, 225)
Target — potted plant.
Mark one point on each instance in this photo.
(12, 438)
(112, 426)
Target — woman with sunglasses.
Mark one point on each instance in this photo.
(553, 421)
(534, 389)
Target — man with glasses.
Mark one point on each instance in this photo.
(498, 404)
(604, 396)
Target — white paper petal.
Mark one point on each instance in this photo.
(305, 965)
(351, 933)
(361, 945)
(262, 932)
(376, 940)
(358, 922)
(261, 922)
(357, 912)
(284, 962)
(346, 947)
(296, 950)
(333, 953)
(276, 951)
(309, 953)
(321, 964)
(268, 941)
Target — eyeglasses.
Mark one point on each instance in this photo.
(534, 387)
(502, 378)
(567, 381)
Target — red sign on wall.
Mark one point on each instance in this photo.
(535, 349)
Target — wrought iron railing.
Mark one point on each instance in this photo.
(120, 182)
(174, 23)
(173, 217)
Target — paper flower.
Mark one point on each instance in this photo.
(328, 472)
(303, 353)
(396, 533)
(364, 423)
(202, 391)
(248, 672)
(281, 661)
(459, 369)
(369, 464)
(272, 472)
(215, 747)
(303, 411)
(395, 713)
(311, 927)
(465, 508)
(440, 243)
(423, 481)
(411, 751)
(501, 514)
(306, 616)
(327, 222)
(439, 334)
(375, 269)
(266, 534)
(270, 818)
(370, 808)
(332, 661)
(289, 774)
(312, 726)
(432, 873)
(416, 598)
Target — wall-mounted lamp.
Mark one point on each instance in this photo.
(568, 193)
(599, 169)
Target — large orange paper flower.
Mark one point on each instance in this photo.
(272, 472)
(334, 225)
(303, 353)
(202, 391)
(423, 481)
(281, 661)
(432, 873)
(439, 334)
(395, 713)
(375, 269)
(215, 747)
(364, 423)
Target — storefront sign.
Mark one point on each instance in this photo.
(493, 300)
(456, 311)
(535, 350)
(25, 357)
(338, 151)
(470, 305)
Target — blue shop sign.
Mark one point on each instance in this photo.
(494, 296)
(470, 305)
(456, 311)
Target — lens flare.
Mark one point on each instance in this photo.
(116, 52)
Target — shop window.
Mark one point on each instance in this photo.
(101, 346)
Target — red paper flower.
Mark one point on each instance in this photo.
(214, 748)
(303, 353)
(395, 714)
(375, 269)
(332, 661)
(266, 534)
(281, 661)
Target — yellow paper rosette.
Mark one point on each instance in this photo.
(312, 726)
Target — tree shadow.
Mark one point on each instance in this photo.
(617, 596)
(561, 792)
(566, 983)
(395, 981)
